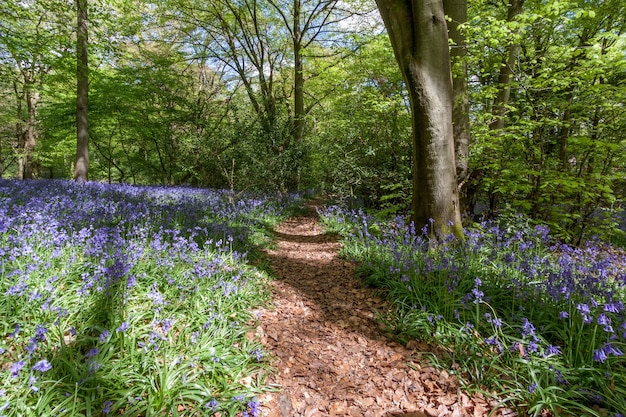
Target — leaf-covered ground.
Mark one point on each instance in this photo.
(330, 352)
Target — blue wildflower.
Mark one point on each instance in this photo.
(528, 329)
(213, 404)
(42, 366)
(122, 327)
(552, 350)
(16, 367)
(104, 335)
(599, 355)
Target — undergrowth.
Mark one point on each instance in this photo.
(540, 326)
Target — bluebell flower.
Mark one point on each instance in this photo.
(212, 405)
(132, 281)
(614, 307)
(599, 355)
(258, 353)
(252, 409)
(42, 366)
(528, 329)
(122, 327)
(552, 350)
(16, 367)
(32, 380)
(104, 335)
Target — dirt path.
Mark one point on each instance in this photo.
(331, 357)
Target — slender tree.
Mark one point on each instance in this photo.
(82, 94)
(456, 10)
(419, 37)
(505, 78)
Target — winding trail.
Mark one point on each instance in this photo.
(331, 357)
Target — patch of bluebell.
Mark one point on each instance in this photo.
(100, 283)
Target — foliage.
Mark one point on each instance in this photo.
(363, 136)
(132, 300)
(538, 324)
(560, 156)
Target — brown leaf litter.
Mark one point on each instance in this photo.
(330, 355)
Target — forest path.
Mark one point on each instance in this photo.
(331, 357)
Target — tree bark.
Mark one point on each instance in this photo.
(419, 37)
(81, 169)
(25, 126)
(30, 135)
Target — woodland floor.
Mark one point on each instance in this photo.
(329, 351)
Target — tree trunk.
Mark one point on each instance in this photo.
(298, 76)
(506, 72)
(19, 131)
(456, 10)
(499, 108)
(82, 94)
(30, 135)
(419, 37)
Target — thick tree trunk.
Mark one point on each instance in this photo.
(419, 37)
(82, 94)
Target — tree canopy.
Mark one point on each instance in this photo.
(307, 94)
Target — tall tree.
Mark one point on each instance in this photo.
(309, 22)
(419, 37)
(82, 93)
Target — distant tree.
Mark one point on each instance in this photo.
(82, 93)
(456, 11)
(34, 36)
(419, 37)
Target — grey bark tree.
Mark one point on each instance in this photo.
(419, 37)
(82, 94)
